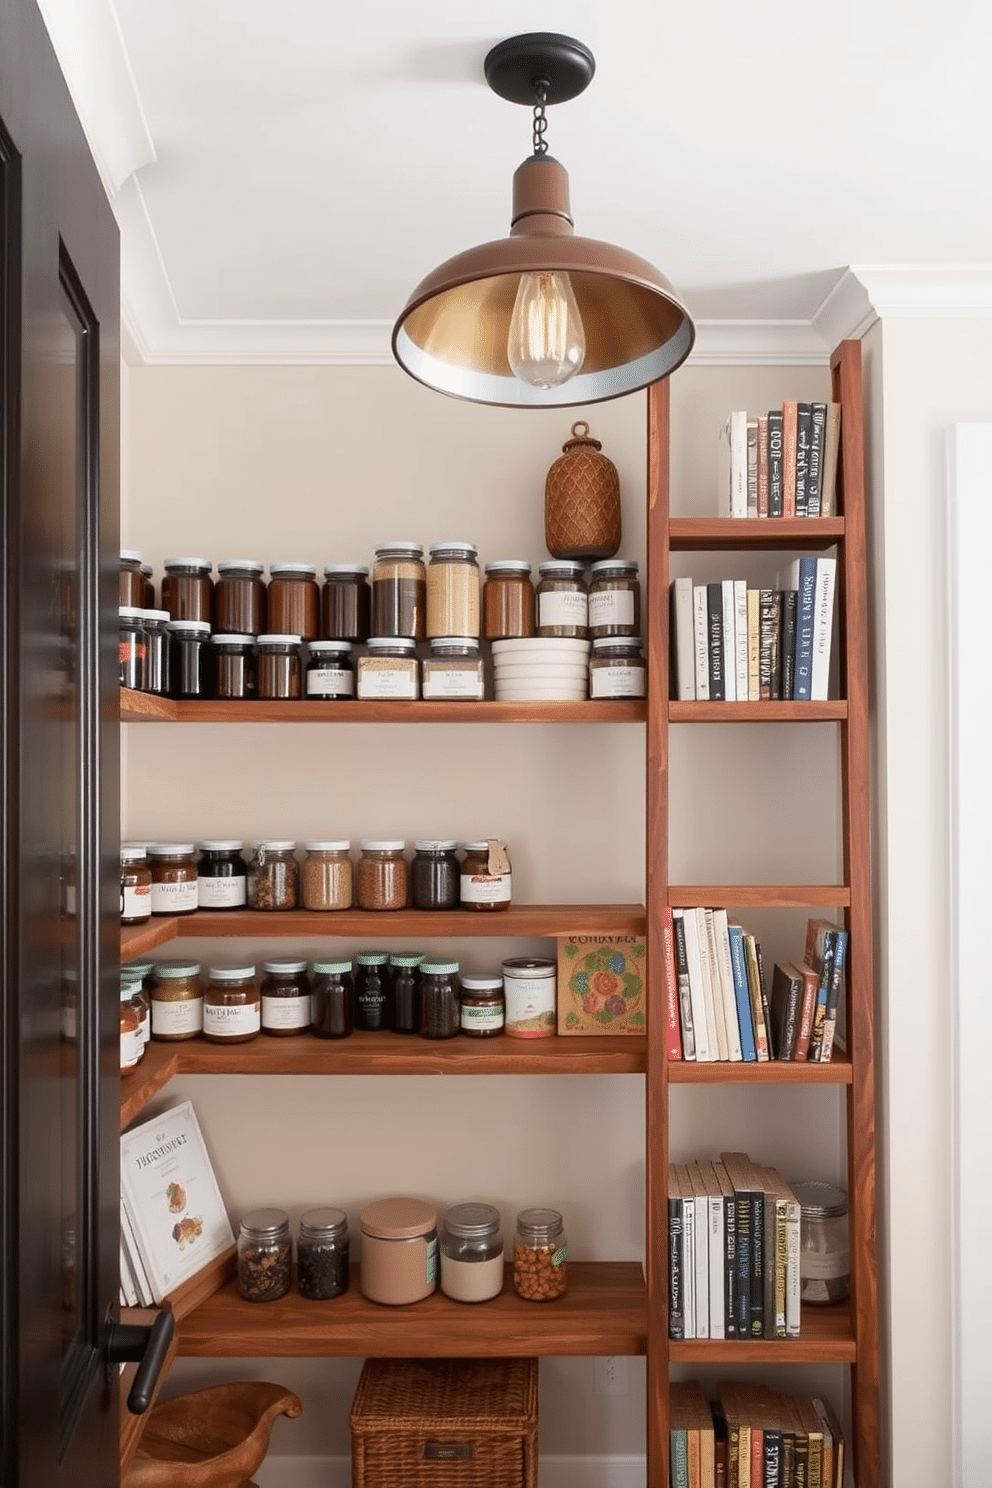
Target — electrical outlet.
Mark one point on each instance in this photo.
(611, 1376)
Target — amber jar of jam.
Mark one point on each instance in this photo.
(177, 1001)
(232, 1006)
(136, 886)
(174, 876)
(188, 589)
(280, 670)
(485, 877)
(294, 600)
(346, 603)
(507, 600)
(285, 993)
(239, 597)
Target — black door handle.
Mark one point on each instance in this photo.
(133, 1343)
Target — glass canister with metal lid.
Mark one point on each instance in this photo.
(540, 1255)
(614, 598)
(399, 591)
(322, 1254)
(824, 1248)
(273, 876)
(471, 1253)
(264, 1255)
(453, 590)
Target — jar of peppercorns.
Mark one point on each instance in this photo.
(540, 1255)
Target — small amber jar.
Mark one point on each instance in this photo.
(234, 666)
(149, 586)
(507, 600)
(136, 886)
(280, 672)
(482, 1006)
(294, 600)
(346, 603)
(383, 874)
(132, 1041)
(239, 597)
(188, 589)
(486, 881)
(174, 877)
(177, 1001)
(232, 1007)
(132, 586)
(285, 994)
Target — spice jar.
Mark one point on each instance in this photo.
(486, 881)
(439, 1015)
(132, 583)
(188, 589)
(155, 670)
(273, 876)
(149, 586)
(382, 875)
(453, 590)
(327, 875)
(234, 666)
(232, 1012)
(617, 669)
(332, 1002)
(614, 598)
(139, 973)
(399, 591)
(136, 886)
(530, 990)
(131, 646)
(507, 600)
(239, 597)
(482, 1008)
(562, 600)
(471, 1253)
(373, 992)
(293, 599)
(824, 1254)
(279, 671)
(177, 1001)
(330, 673)
(540, 1255)
(453, 670)
(322, 1254)
(434, 874)
(222, 875)
(405, 968)
(346, 603)
(390, 669)
(399, 1251)
(264, 1255)
(132, 1042)
(174, 878)
(191, 659)
(285, 997)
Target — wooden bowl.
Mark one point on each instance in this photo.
(213, 1438)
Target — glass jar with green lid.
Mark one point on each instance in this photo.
(405, 966)
(332, 1002)
(177, 1001)
(439, 989)
(232, 1011)
(132, 1043)
(285, 994)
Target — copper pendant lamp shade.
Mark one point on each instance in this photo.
(454, 333)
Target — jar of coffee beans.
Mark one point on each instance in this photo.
(540, 1255)
(322, 1254)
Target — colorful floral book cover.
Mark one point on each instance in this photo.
(171, 1196)
(601, 984)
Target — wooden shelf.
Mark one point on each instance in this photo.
(759, 896)
(517, 922)
(692, 534)
(774, 1072)
(144, 707)
(603, 1312)
(827, 1338)
(768, 712)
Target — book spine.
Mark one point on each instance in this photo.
(701, 1236)
(774, 462)
(735, 936)
(673, 1042)
(714, 636)
(679, 1447)
(762, 464)
(720, 951)
(781, 1231)
(763, 989)
(752, 467)
(757, 1279)
(688, 1258)
(738, 463)
(805, 609)
(715, 1251)
(705, 1033)
(682, 980)
(768, 643)
(793, 1266)
(761, 1047)
(823, 623)
(825, 970)
(682, 641)
(742, 1267)
(831, 451)
(790, 602)
(740, 638)
(814, 475)
(712, 989)
(789, 429)
(701, 641)
(803, 421)
(729, 621)
(676, 1304)
(786, 996)
(833, 997)
(772, 1459)
(753, 645)
(807, 1012)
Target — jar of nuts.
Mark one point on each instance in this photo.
(540, 1255)
(273, 876)
(264, 1254)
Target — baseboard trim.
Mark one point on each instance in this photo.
(556, 1472)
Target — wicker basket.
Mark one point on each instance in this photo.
(445, 1423)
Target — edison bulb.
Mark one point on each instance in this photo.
(547, 343)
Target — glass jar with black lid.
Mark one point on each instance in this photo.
(239, 597)
(435, 874)
(330, 671)
(439, 991)
(285, 993)
(374, 1007)
(293, 600)
(234, 664)
(222, 874)
(405, 967)
(191, 659)
(332, 1001)
(188, 589)
(346, 603)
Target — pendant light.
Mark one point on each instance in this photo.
(543, 318)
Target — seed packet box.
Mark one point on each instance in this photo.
(601, 984)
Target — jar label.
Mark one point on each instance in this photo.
(388, 682)
(70, 900)
(559, 1256)
(136, 902)
(616, 681)
(481, 1019)
(286, 1012)
(185, 1015)
(221, 893)
(563, 607)
(174, 898)
(530, 1006)
(132, 1048)
(330, 682)
(485, 888)
(231, 1019)
(451, 682)
(430, 1260)
(820, 1265)
(611, 607)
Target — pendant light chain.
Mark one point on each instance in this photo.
(542, 88)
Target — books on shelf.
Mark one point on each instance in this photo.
(173, 1219)
(735, 643)
(720, 1006)
(782, 463)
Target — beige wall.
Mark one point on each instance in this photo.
(322, 464)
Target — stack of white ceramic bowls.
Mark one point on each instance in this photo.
(541, 668)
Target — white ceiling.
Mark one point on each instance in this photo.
(284, 174)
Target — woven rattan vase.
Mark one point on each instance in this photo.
(582, 500)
